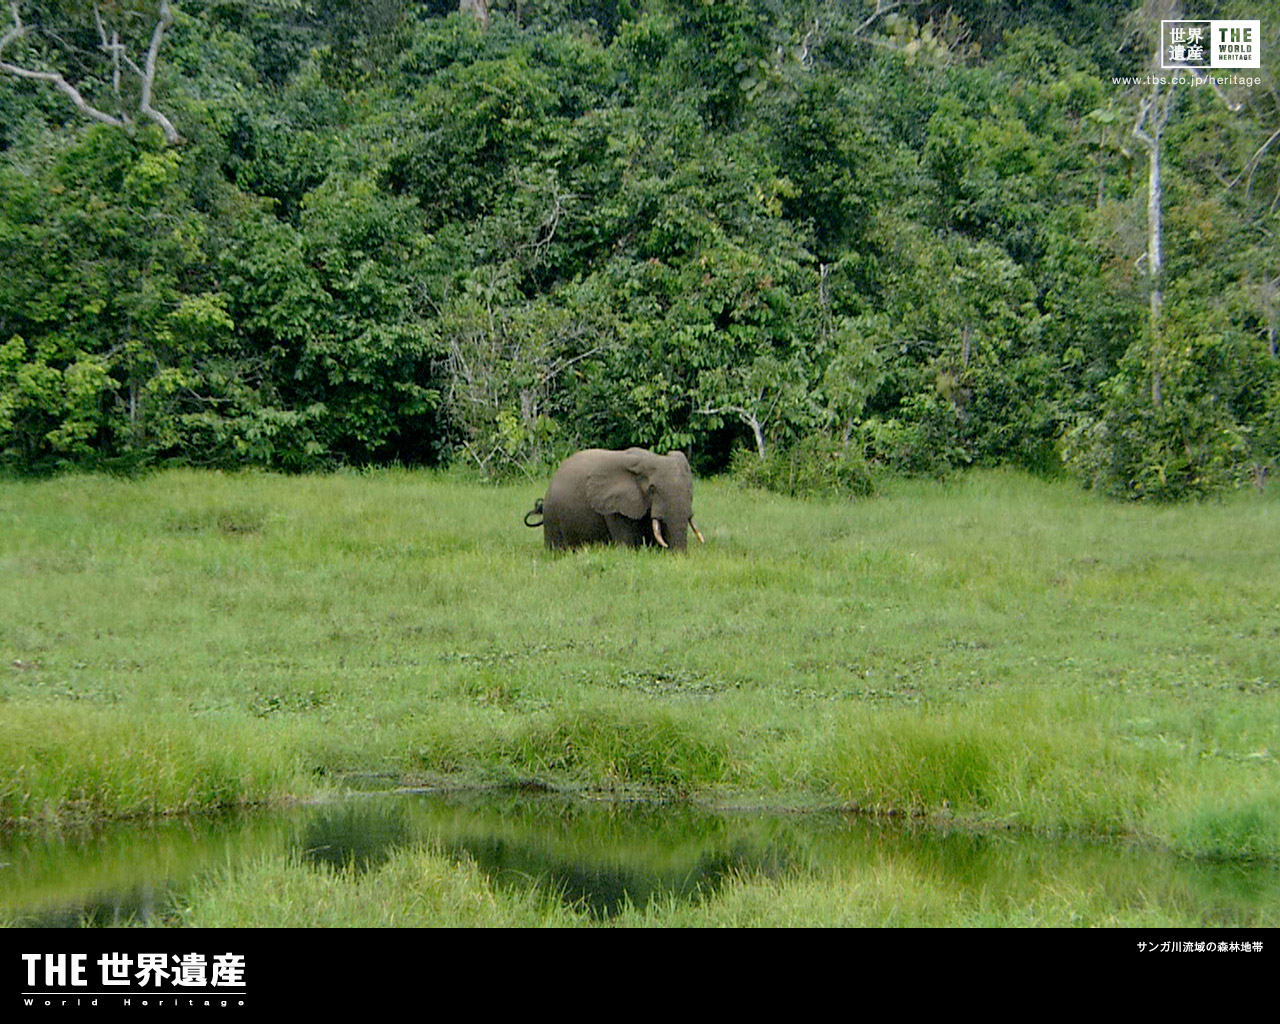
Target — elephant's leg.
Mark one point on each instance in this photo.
(551, 536)
(553, 533)
(624, 531)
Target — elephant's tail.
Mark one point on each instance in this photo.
(535, 511)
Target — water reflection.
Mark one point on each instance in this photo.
(599, 855)
(602, 856)
(124, 873)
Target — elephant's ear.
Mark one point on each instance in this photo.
(614, 487)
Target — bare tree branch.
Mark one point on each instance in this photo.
(747, 416)
(115, 50)
(1256, 159)
(1234, 107)
(70, 91)
(883, 7)
(112, 49)
(814, 33)
(148, 79)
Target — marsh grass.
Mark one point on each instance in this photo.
(72, 765)
(420, 887)
(564, 862)
(417, 887)
(900, 895)
(997, 650)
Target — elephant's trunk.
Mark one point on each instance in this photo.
(657, 533)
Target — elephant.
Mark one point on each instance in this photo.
(633, 498)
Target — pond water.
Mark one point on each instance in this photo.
(598, 854)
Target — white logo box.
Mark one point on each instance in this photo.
(1210, 44)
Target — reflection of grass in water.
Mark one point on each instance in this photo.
(997, 649)
(596, 855)
(365, 861)
(1019, 883)
(852, 875)
(136, 906)
(122, 867)
(678, 865)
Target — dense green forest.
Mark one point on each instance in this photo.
(840, 233)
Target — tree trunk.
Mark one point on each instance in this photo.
(1153, 114)
(480, 8)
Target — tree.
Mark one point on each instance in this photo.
(110, 333)
(1153, 115)
(1189, 408)
(508, 359)
(111, 77)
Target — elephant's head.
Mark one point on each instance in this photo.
(655, 489)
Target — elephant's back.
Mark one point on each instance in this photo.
(571, 476)
(579, 462)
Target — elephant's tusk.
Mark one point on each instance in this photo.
(696, 532)
(657, 533)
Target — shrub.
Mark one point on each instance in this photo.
(816, 465)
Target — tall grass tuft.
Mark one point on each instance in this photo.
(65, 764)
(415, 888)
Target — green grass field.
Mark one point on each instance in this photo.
(995, 651)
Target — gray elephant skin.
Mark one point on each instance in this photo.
(634, 498)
